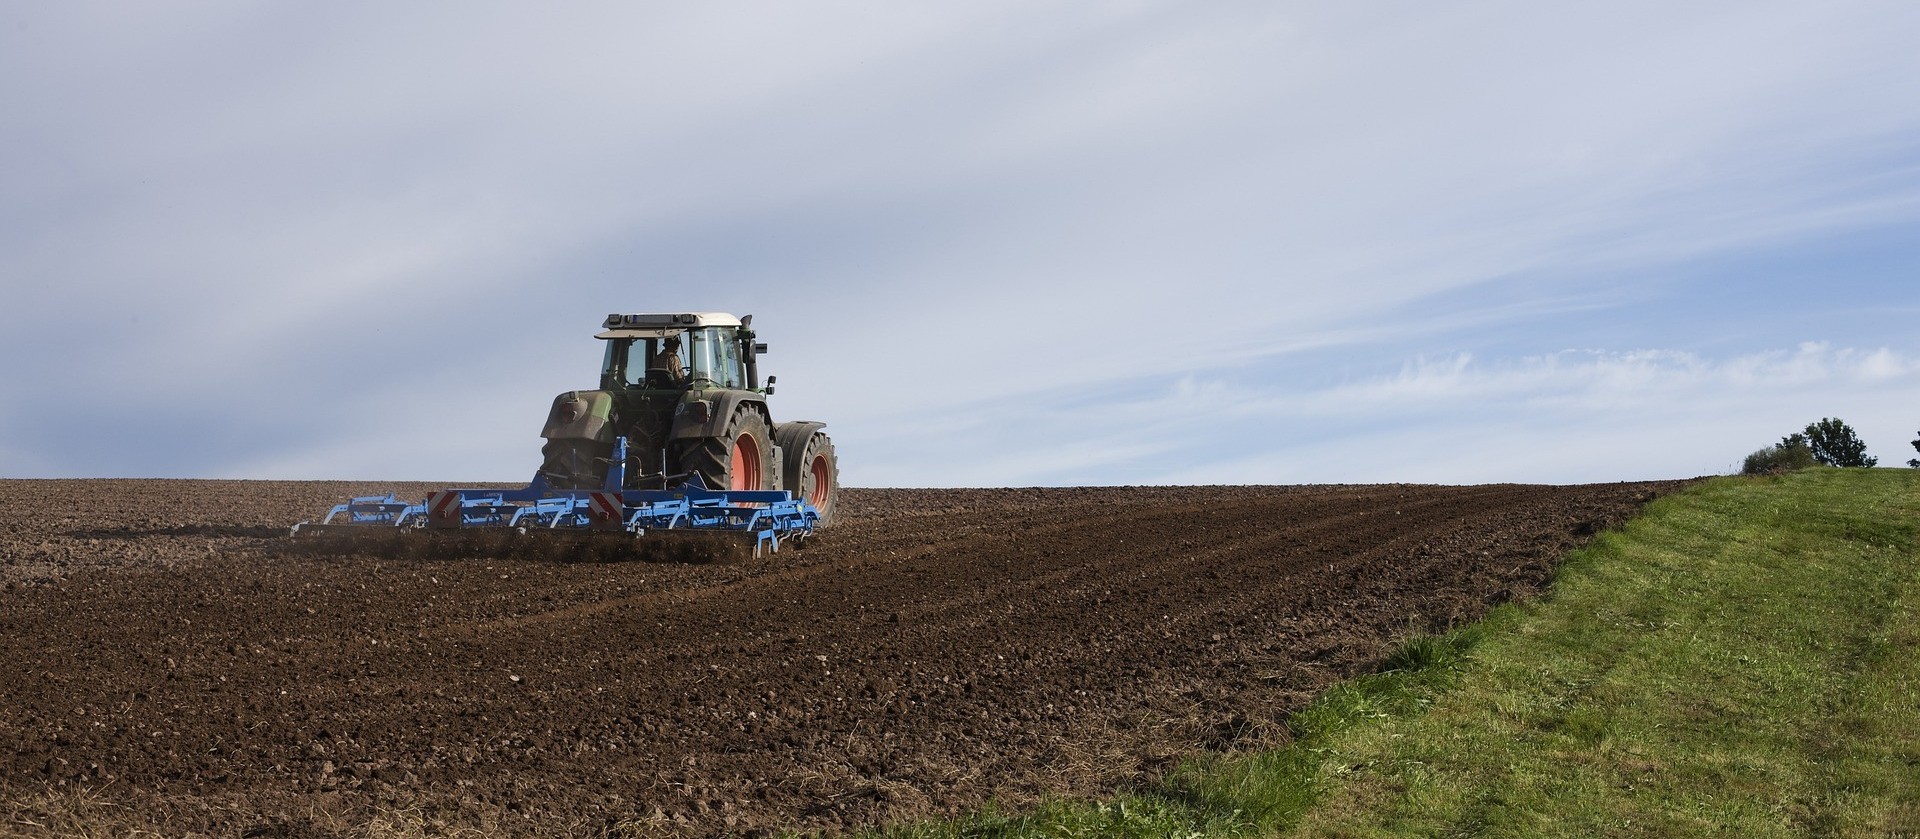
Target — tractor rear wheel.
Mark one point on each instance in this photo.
(741, 458)
(817, 481)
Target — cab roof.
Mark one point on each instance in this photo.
(655, 325)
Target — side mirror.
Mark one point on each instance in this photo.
(769, 387)
(760, 349)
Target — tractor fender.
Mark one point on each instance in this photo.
(580, 415)
(792, 437)
(707, 414)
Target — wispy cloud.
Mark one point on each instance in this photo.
(1588, 380)
(1571, 415)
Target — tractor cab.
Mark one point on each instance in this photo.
(690, 351)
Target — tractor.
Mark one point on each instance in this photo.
(676, 441)
(684, 393)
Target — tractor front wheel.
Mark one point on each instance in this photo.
(575, 464)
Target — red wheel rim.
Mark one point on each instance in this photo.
(822, 481)
(745, 473)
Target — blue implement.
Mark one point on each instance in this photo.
(370, 510)
(764, 516)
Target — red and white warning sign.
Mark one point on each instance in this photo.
(605, 511)
(443, 509)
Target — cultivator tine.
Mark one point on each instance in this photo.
(659, 515)
(374, 509)
(550, 513)
(366, 511)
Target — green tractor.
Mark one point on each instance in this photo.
(684, 391)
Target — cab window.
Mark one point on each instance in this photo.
(727, 355)
(715, 356)
(627, 360)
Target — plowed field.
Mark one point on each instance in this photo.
(937, 649)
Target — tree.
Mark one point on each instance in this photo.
(1916, 447)
(1834, 444)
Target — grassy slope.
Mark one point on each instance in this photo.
(1742, 660)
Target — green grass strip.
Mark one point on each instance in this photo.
(1741, 660)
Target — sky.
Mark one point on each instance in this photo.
(990, 243)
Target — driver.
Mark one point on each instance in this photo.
(667, 360)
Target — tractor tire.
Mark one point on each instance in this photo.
(741, 458)
(575, 464)
(817, 480)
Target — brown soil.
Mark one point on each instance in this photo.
(168, 663)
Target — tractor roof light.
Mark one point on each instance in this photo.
(628, 325)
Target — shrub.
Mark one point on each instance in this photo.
(1792, 453)
(1916, 447)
